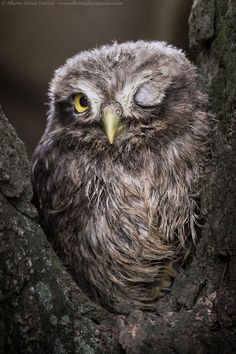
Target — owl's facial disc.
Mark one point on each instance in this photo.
(112, 124)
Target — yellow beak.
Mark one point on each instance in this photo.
(112, 124)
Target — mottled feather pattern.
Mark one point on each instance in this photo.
(122, 215)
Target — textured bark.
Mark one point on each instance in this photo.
(41, 308)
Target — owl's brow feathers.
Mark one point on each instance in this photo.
(119, 81)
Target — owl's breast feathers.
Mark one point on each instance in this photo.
(123, 220)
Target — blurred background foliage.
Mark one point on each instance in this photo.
(38, 36)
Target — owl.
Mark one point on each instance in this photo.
(116, 173)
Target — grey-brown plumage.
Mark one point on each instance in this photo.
(117, 170)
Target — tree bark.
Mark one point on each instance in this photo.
(41, 308)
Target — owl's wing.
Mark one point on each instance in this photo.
(42, 195)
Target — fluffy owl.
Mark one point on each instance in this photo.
(116, 173)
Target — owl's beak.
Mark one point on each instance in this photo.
(112, 124)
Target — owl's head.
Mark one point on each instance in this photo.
(125, 92)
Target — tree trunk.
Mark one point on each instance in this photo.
(41, 308)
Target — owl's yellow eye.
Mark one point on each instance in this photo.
(81, 102)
